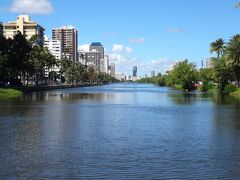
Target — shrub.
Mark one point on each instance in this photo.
(229, 89)
(206, 86)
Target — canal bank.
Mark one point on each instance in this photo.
(15, 92)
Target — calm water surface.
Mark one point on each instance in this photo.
(119, 131)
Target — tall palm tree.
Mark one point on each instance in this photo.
(218, 47)
(233, 55)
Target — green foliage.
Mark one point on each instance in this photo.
(230, 88)
(206, 86)
(184, 74)
(236, 93)
(158, 80)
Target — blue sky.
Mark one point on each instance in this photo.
(151, 34)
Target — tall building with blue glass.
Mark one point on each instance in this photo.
(135, 71)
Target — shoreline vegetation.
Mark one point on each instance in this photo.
(222, 78)
(25, 65)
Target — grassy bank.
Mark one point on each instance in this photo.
(236, 93)
(10, 93)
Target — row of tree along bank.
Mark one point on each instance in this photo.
(24, 63)
(224, 76)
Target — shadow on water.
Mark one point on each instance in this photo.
(194, 97)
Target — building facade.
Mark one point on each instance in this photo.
(106, 64)
(112, 69)
(135, 71)
(97, 46)
(152, 73)
(82, 57)
(55, 47)
(93, 59)
(1, 29)
(209, 63)
(68, 36)
(26, 27)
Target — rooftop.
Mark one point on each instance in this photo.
(96, 44)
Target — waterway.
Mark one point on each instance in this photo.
(119, 131)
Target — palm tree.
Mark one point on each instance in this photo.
(233, 55)
(218, 47)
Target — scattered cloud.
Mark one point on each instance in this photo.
(128, 50)
(237, 5)
(32, 6)
(117, 48)
(174, 29)
(159, 65)
(138, 40)
(84, 47)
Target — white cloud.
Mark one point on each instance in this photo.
(128, 50)
(117, 48)
(84, 47)
(137, 40)
(174, 29)
(31, 6)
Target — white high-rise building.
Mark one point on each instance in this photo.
(55, 47)
(106, 64)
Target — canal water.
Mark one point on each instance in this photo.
(119, 131)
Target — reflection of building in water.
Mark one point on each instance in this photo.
(59, 97)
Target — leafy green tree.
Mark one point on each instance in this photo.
(223, 74)
(184, 74)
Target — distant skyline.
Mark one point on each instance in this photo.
(149, 34)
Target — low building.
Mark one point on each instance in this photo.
(120, 76)
(27, 27)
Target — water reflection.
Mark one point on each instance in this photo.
(142, 132)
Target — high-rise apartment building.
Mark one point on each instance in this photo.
(93, 59)
(25, 26)
(68, 36)
(135, 71)
(1, 29)
(112, 69)
(106, 64)
(97, 46)
(152, 73)
(55, 48)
